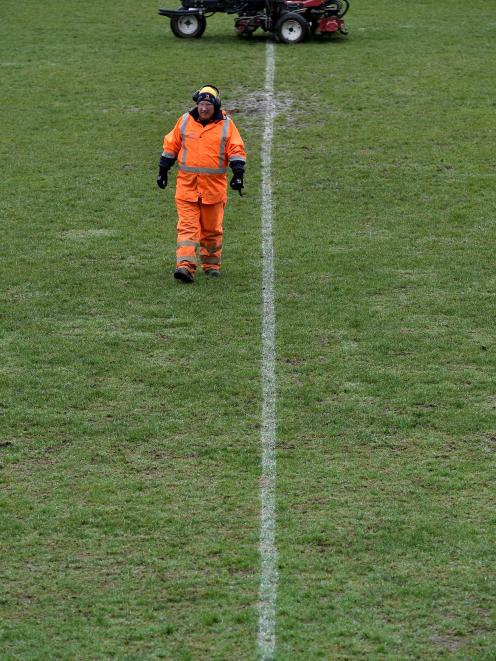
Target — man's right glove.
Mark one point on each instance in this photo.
(166, 162)
(162, 178)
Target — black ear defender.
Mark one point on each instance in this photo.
(204, 90)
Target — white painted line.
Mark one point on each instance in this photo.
(268, 551)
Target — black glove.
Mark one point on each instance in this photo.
(166, 162)
(238, 169)
(162, 178)
(236, 182)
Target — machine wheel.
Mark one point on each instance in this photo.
(291, 28)
(188, 27)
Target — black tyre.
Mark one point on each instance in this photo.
(291, 28)
(343, 8)
(190, 26)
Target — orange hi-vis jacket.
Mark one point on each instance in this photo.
(203, 154)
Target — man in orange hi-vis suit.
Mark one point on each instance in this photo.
(204, 142)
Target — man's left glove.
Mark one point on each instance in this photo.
(236, 182)
(238, 169)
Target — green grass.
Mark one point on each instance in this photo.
(130, 406)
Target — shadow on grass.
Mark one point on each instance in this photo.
(254, 40)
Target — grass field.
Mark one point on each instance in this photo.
(130, 405)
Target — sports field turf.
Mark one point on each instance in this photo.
(130, 406)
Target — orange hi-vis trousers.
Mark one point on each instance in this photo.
(199, 226)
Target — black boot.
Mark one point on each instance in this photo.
(183, 274)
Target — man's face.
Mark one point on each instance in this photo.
(206, 110)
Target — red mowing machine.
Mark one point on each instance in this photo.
(291, 21)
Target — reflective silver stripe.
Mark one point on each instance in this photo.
(187, 243)
(184, 259)
(169, 154)
(223, 141)
(237, 158)
(183, 134)
(211, 249)
(210, 260)
(189, 168)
